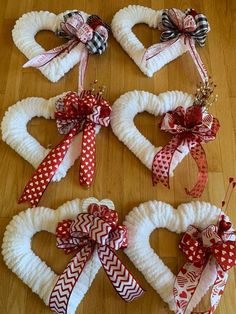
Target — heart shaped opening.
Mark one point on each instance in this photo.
(165, 244)
(48, 40)
(148, 126)
(44, 245)
(146, 35)
(45, 131)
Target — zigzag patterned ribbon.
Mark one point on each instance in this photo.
(90, 37)
(98, 229)
(215, 245)
(188, 27)
(74, 114)
(191, 127)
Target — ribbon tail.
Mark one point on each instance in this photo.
(199, 156)
(218, 288)
(59, 298)
(123, 282)
(185, 285)
(162, 162)
(46, 57)
(38, 183)
(155, 49)
(196, 58)
(88, 155)
(82, 68)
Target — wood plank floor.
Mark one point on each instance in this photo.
(120, 176)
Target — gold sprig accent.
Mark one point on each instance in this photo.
(204, 96)
(98, 91)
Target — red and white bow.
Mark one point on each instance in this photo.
(215, 245)
(74, 114)
(192, 127)
(98, 230)
(188, 27)
(90, 36)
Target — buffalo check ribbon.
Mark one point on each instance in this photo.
(216, 245)
(188, 27)
(192, 126)
(74, 113)
(90, 36)
(98, 230)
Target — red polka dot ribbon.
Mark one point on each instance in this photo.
(98, 230)
(215, 245)
(191, 127)
(74, 114)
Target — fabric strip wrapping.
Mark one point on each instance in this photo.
(90, 36)
(190, 127)
(216, 245)
(96, 230)
(75, 113)
(188, 27)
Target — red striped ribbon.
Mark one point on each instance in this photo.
(96, 230)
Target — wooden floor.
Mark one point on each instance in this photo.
(120, 176)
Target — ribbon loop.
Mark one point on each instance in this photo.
(188, 27)
(213, 248)
(96, 230)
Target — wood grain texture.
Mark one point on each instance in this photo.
(120, 175)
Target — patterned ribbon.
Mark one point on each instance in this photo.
(214, 245)
(74, 114)
(192, 127)
(91, 38)
(96, 230)
(188, 27)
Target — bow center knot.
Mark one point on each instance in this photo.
(98, 226)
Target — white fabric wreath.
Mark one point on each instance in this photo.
(149, 216)
(23, 35)
(34, 272)
(15, 134)
(129, 105)
(122, 24)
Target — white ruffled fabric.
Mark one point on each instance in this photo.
(16, 135)
(122, 24)
(23, 35)
(129, 105)
(147, 217)
(34, 272)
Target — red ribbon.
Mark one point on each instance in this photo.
(74, 114)
(96, 230)
(192, 127)
(214, 245)
(79, 33)
(185, 25)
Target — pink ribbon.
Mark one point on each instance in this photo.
(182, 27)
(192, 127)
(98, 230)
(215, 245)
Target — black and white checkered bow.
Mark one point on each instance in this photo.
(98, 44)
(171, 30)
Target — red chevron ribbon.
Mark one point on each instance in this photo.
(192, 127)
(97, 229)
(90, 37)
(187, 27)
(75, 113)
(213, 246)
